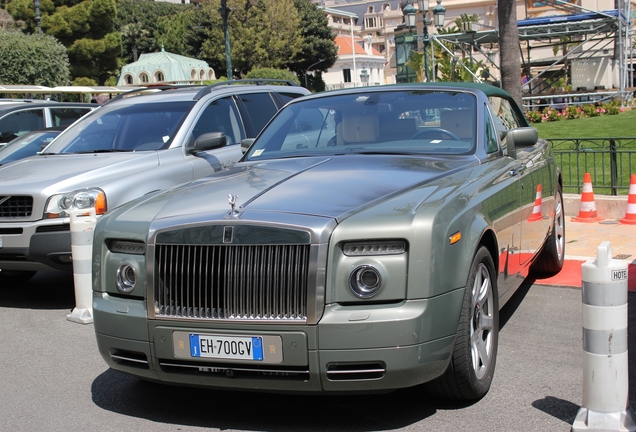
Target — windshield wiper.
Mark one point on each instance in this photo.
(102, 151)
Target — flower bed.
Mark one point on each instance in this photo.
(550, 114)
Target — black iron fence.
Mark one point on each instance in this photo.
(610, 162)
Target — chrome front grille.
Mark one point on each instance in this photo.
(15, 206)
(231, 282)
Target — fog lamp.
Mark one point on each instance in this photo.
(126, 278)
(365, 281)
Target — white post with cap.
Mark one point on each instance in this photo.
(83, 223)
(605, 369)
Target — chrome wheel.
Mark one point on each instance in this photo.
(472, 365)
(482, 322)
(550, 259)
(559, 227)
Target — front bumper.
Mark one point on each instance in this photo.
(36, 248)
(352, 349)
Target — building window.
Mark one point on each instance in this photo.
(201, 74)
(143, 77)
(159, 77)
(370, 22)
(346, 75)
(128, 79)
(193, 74)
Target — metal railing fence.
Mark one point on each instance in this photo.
(610, 162)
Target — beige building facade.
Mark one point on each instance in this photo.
(593, 56)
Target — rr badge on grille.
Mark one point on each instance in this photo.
(228, 234)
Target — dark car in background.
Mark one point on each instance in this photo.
(22, 116)
(28, 144)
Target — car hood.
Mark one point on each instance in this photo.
(64, 173)
(332, 187)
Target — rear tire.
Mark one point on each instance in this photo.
(472, 366)
(550, 259)
(16, 276)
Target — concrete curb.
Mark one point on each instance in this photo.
(607, 206)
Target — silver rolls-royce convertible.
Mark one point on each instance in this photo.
(365, 242)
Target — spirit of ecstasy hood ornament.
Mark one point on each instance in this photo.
(232, 200)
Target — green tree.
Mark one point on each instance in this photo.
(85, 27)
(147, 26)
(271, 73)
(32, 59)
(317, 45)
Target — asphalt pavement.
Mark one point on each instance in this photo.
(53, 378)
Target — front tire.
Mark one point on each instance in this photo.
(472, 366)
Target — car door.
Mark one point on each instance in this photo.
(533, 174)
(64, 116)
(20, 122)
(220, 115)
(504, 206)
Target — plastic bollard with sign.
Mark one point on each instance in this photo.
(605, 369)
(83, 223)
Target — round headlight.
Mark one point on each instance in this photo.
(84, 200)
(126, 278)
(365, 281)
(64, 202)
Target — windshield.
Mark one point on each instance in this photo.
(386, 122)
(149, 126)
(26, 145)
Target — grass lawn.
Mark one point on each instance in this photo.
(595, 156)
(620, 125)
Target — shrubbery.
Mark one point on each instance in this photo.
(550, 114)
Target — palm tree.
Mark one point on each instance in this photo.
(509, 49)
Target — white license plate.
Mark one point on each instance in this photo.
(226, 347)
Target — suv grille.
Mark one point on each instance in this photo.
(232, 282)
(15, 206)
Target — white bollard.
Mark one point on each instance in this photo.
(605, 369)
(82, 229)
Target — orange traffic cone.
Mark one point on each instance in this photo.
(536, 211)
(587, 211)
(630, 214)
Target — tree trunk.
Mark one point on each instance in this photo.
(509, 51)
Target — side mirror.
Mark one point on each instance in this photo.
(246, 143)
(520, 137)
(209, 141)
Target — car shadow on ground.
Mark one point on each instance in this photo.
(224, 409)
(47, 290)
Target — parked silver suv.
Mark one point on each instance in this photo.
(137, 143)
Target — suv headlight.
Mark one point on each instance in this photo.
(58, 206)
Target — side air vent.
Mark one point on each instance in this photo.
(355, 371)
(130, 359)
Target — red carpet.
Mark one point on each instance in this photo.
(570, 275)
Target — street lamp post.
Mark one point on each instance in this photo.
(439, 13)
(225, 12)
(37, 16)
(364, 77)
(309, 68)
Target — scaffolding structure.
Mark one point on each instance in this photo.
(585, 38)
